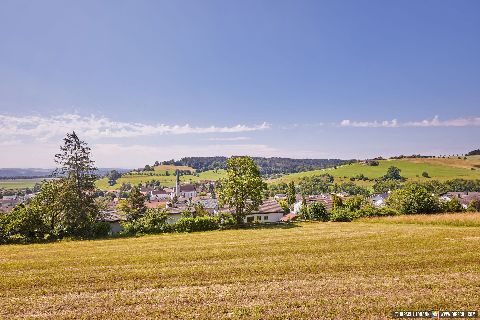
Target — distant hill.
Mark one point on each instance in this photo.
(267, 165)
(24, 173)
(411, 168)
(28, 173)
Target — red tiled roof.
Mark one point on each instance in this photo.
(269, 206)
(288, 217)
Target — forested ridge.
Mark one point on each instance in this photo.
(267, 165)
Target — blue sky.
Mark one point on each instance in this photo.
(152, 80)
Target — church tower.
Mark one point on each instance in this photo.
(177, 184)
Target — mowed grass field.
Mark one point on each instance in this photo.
(160, 175)
(437, 168)
(355, 270)
(20, 183)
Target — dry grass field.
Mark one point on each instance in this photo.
(467, 219)
(355, 270)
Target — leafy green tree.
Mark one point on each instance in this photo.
(393, 173)
(383, 186)
(291, 193)
(242, 189)
(134, 206)
(354, 203)
(49, 205)
(318, 211)
(22, 224)
(284, 205)
(413, 199)
(337, 202)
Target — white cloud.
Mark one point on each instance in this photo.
(435, 122)
(365, 124)
(229, 139)
(93, 127)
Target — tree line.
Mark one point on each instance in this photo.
(273, 165)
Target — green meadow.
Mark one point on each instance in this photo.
(439, 169)
(20, 183)
(164, 174)
(358, 270)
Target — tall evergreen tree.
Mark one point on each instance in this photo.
(77, 175)
(291, 193)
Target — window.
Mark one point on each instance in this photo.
(259, 218)
(249, 219)
(265, 217)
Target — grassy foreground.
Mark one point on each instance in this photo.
(309, 271)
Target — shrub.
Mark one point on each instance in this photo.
(342, 215)
(101, 229)
(353, 203)
(226, 220)
(413, 199)
(425, 174)
(317, 211)
(196, 224)
(451, 206)
(474, 206)
(153, 221)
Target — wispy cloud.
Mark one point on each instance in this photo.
(44, 128)
(434, 122)
(365, 124)
(229, 139)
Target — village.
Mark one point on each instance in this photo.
(182, 200)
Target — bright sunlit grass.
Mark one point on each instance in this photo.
(308, 271)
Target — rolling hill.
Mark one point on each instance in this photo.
(412, 169)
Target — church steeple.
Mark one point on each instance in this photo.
(177, 184)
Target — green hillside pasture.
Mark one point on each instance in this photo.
(412, 170)
(20, 183)
(308, 271)
(166, 181)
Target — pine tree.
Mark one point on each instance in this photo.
(77, 177)
(134, 207)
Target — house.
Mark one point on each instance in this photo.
(378, 200)
(112, 218)
(325, 199)
(210, 205)
(158, 195)
(145, 191)
(464, 198)
(280, 196)
(268, 211)
(7, 203)
(153, 204)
